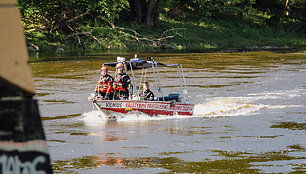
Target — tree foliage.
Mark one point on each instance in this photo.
(56, 17)
(273, 10)
(58, 14)
(65, 15)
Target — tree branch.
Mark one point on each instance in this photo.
(157, 41)
(112, 25)
(38, 29)
(172, 29)
(77, 34)
(62, 24)
(78, 17)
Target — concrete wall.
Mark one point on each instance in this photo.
(23, 148)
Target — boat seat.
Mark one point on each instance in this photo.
(170, 97)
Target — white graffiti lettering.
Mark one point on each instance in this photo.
(12, 165)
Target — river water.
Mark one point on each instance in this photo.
(249, 117)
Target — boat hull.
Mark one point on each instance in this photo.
(147, 107)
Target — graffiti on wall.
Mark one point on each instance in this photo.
(24, 158)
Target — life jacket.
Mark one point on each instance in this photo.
(119, 83)
(105, 84)
(148, 95)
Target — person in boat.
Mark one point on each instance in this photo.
(104, 86)
(147, 94)
(122, 84)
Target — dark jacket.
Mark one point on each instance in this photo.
(148, 94)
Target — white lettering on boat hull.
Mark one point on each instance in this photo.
(148, 105)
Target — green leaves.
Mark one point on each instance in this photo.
(67, 22)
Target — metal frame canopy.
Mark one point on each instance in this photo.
(137, 63)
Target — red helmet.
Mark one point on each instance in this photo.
(104, 68)
(119, 65)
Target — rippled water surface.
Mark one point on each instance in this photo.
(250, 116)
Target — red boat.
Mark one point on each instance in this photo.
(172, 104)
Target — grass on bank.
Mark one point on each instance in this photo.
(208, 35)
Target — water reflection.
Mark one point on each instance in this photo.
(60, 117)
(113, 138)
(230, 162)
(290, 125)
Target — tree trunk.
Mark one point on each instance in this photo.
(144, 12)
(150, 18)
(139, 5)
(132, 8)
(138, 10)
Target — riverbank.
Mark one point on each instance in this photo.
(210, 35)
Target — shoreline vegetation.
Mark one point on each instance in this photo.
(103, 25)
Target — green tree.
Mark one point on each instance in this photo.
(65, 15)
(297, 9)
